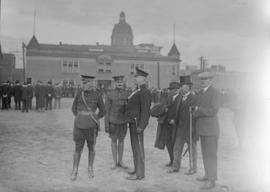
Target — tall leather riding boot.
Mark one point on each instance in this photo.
(76, 162)
(114, 154)
(91, 158)
(120, 150)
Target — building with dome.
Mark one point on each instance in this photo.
(66, 62)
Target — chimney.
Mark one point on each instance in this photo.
(60, 43)
(97, 43)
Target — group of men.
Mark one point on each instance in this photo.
(23, 94)
(183, 118)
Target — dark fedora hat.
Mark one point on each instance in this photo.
(174, 85)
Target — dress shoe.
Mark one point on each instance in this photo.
(134, 177)
(169, 164)
(191, 172)
(114, 166)
(90, 173)
(208, 185)
(73, 176)
(122, 165)
(204, 178)
(173, 170)
(132, 172)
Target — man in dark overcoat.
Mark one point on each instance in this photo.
(138, 114)
(17, 95)
(207, 128)
(116, 120)
(25, 97)
(5, 94)
(166, 123)
(86, 123)
(42, 96)
(184, 100)
(30, 92)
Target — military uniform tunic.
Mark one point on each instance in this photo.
(115, 119)
(85, 127)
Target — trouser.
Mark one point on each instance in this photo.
(30, 103)
(178, 150)
(37, 104)
(137, 146)
(169, 146)
(4, 103)
(57, 102)
(25, 105)
(9, 102)
(17, 103)
(49, 103)
(209, 147)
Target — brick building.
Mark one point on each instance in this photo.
(65, 62)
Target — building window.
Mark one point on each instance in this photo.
(173, 70)
(70, 66)
(75, 67)
(64, 66)
(104, 67)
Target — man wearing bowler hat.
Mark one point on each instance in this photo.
(138, 114)
(166, 123)
(115, 119)
(184, 100)
(86, 123)
(207, 128)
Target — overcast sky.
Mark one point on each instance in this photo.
(227, 32)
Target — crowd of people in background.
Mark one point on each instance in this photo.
(47, 95)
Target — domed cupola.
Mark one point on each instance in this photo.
(122, 33)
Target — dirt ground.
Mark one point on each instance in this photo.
(36, 152)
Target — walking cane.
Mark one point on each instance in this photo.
(190, 140)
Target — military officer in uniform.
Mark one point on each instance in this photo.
(86, 123)
(207, 128)
(115, 119)
(184, 101)
(138, 113)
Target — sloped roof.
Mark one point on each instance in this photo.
(33, 43)
(174, 51)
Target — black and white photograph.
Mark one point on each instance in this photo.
(134, 95)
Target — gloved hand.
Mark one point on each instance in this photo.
(139, 130)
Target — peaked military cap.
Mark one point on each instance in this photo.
(185, 80)
(119, 77)
(140, 72)
(206, 75)
(87, 78)
(174, 85)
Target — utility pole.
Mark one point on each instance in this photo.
(158, 75)
(23, 55)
